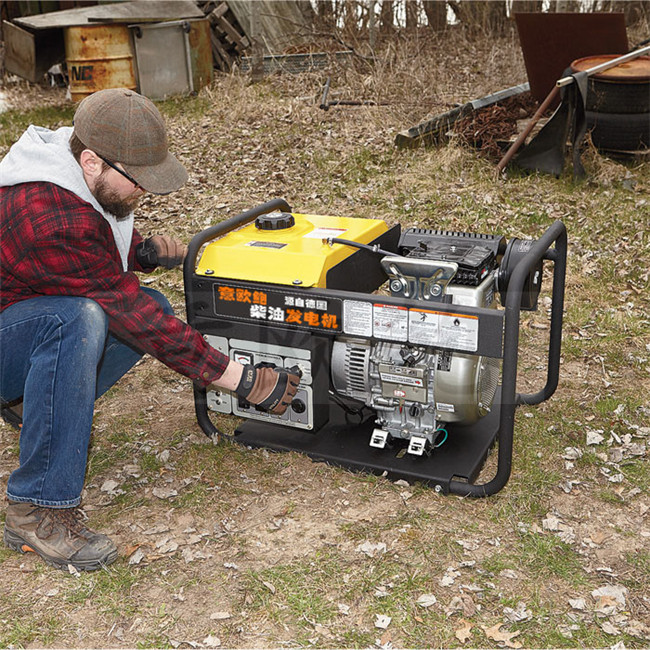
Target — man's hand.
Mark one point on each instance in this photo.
(269, 387)
(161, 250)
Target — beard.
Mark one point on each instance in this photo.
(109, 199)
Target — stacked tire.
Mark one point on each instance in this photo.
(618, 103)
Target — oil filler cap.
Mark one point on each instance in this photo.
(275, 221)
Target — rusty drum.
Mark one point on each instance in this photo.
(98, 57)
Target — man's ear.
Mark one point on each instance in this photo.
(91, 165)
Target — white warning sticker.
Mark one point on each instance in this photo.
(458, 331)
(401, 379)
(439, 329)
(423, 326)
(324, 233)
(390, 322)
(357, 317)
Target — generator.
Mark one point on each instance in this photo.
(407, 340)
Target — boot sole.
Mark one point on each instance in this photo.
(17, 543)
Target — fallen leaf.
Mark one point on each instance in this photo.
(496, 634)
(616, 592)
(371, 549)
(211, 641)
(463, 604)
(164, 493)
(270, 586)
(386, 638)
(594, 437)
(109, 486)
(137, 557)
(131, 548)
(608, 628)
(518, 614)
(464, 632)
(381, 621)
(578, 603)
(426, 600)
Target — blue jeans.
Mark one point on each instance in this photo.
(56, 353)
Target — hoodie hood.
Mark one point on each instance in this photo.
(42, 155)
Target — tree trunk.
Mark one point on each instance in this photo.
(325, 15)
(436, 12)
(526, 6)
(564, 6)
(386, 23)
(411, 7)
(480, 17)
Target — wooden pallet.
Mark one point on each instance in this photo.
(227, 37)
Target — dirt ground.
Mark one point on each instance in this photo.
(225, 546)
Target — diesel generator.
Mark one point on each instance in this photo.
(407, 340)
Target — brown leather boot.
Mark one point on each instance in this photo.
(58, 536)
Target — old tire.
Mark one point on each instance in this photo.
(611, 97)
(619, 131)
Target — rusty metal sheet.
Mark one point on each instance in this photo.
(550, 42)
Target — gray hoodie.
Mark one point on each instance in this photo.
(44, 155)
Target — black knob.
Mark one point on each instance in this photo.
(275, 221)
(298, 406)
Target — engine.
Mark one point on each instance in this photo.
(416, 390)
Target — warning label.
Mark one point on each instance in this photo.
(460, 332)
(440, 329)
(418, 326)
(423, 326)
(390, 322)
(324, 233)
(357, 317)
(401, 379)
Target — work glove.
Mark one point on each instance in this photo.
(161, 250)
(269, 387)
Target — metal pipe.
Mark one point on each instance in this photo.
(630, 56)
(526, 132)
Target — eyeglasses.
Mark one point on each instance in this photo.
(122, 172)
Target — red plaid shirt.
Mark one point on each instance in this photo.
(53, 243)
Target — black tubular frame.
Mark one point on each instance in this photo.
(510, 399)
(189, 265)
(551, 246)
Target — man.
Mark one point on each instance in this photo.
(73, 316)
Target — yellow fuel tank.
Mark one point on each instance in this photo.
(297, 255)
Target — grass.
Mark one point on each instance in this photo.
(243, 145)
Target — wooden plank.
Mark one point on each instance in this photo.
(122, 12)
(230, 32)
(29, 54)
(219, 53)
(221, 10)
(281, 23)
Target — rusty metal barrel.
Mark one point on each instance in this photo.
(98, 57)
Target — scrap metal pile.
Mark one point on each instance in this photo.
(492, 128)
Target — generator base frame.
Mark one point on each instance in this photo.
(453, 467)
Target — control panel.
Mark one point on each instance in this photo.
(301, 412)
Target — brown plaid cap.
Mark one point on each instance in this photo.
(125, 127)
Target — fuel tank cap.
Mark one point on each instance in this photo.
(275, 221)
